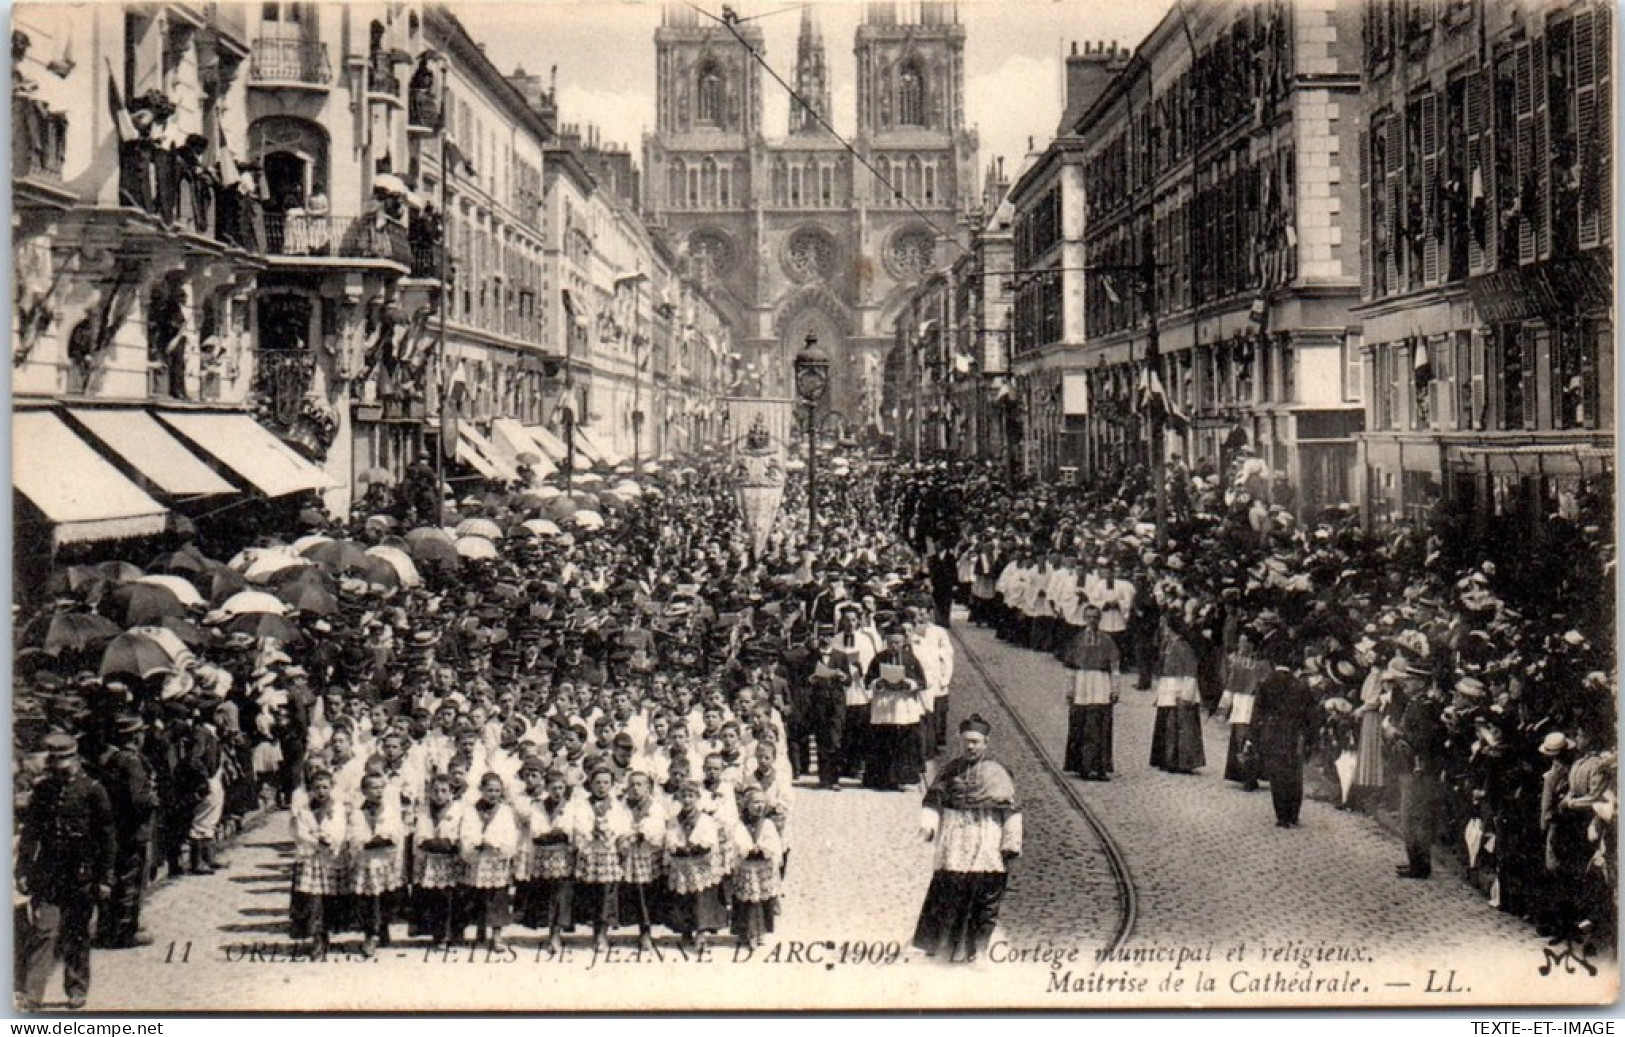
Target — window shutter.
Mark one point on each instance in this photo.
(1431, 226)
(1538, 382)
(1585, 125)
(1601, 171)
(1543, 158)
(1527, 198)
(1481, 418)
(1481, 218)
(1366, 251)
(1392, 197)
(1442, 388)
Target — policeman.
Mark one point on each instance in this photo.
(65, 856)
(134, 798)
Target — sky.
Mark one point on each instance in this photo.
(605, 54)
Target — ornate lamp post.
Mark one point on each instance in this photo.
(812, 381)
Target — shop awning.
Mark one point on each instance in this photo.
(1561, 459)
(587, 442)
(80, 492)
(471, 445)
(152, 450)
(511, 438)
(545, 438)
(240, 443)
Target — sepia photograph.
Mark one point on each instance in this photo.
(667, 506)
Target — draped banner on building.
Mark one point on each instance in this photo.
(740, 414)
(758, 469)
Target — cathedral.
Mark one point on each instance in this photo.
(792, 234)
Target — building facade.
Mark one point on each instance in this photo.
(1486, 233)
(143, 247)
(1220, 240)
(794, 235)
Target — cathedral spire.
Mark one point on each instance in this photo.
(812, 76)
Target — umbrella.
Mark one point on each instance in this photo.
(527, 501)
(224, 582)
(400, 543)
(629, 486)
(389, 183)
(623, 469)
(310, 540)
(476, 547)
(187, 632)
(479, 527)
(246, 602)
(442, 553)
(76, 578)
(400, 561)
(382, 523)
(183, 561)
(588, 478)
(560, 508)
(541, 527)
(265, 625)
(339, 555)
(545, 493)
(588, 520)
(428, 533)
(1347, 762)
(129, 653)
(118, 572)
(379, 572)
(141, 603)
(180, 586)
(76, 631)
(612, 502)
(651, 467)
(308, 597)
(164, 638)
(525, 457)
(312, 518)
(376, 476)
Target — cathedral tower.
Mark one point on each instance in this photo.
(812, 77)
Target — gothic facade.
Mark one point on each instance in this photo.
(793, 234)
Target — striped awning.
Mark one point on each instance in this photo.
(77, 490)
(240, 443)
(152, 450)
(512, 439)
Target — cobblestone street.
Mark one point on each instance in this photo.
(1210, 868)
(1210, 873)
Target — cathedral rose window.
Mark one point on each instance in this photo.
(810, 255)
(910, 252)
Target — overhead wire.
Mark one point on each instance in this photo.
(731, 23)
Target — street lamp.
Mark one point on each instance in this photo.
(812, 380)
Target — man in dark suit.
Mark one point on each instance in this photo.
(1284, 717)
(943, 566)
(65, 854)
(134, 799)
(1422, 738)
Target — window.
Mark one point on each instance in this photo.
(708, 95)
(1461, 372)
(911, 95)
(1513, 363)
(1353, 367)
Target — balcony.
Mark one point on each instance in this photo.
(296, 63)
(381, 78)
(39, 141)
(427, 260)
(423, 111)
(328, 238)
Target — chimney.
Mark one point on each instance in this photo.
(1087, 76)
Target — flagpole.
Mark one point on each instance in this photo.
(1148, 283)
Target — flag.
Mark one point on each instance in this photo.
(121, 114)
(1154, 400)
(1110, 290)
(1423, 363)
(229, 173)
(1260, 311)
